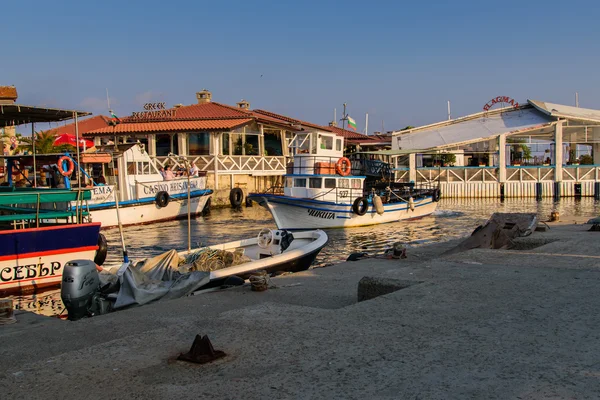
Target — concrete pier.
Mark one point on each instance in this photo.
(493, 324)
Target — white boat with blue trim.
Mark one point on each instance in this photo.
(324, 189)
(144, 196)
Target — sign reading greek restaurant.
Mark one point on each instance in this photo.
(504, 100)
(154, 111)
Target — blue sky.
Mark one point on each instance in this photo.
(398, 62)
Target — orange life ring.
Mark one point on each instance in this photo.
(61, 168)
(343, 166)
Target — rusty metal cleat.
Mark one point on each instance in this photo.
(202, 351)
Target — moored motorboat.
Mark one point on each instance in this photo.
(324, 189)
(174, 274)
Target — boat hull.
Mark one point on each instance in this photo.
(31, 259)
(294, 213)
(149, 212)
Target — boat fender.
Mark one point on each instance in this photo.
(411, 204)
(102, 250)
(378, 204)
(206, 209)
(343, 166)
(236, 196)
(436, 195)
(286, 239)
(61, 168)
(162, 199)
(360, 206)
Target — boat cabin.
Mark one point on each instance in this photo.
(140, 178)
(320, 171)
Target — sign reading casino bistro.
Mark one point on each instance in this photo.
(500, 100)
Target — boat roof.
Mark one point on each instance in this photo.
(27, 195)
(19, 114)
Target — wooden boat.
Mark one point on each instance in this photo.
(323, 189)
(37, 237)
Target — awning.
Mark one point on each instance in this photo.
(18, 114)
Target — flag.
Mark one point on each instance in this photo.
(351, 123)
(115, 119)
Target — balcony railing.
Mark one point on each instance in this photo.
(254, 165)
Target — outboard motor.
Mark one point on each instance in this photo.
(80, 288)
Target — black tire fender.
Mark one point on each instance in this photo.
(360, 206)
(236, 196)
(102, 250)
(162, 199)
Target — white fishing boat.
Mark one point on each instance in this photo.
(172, 274)
(324, 189)
(144, 196)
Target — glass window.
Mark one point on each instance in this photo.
(251, 146)
(314, 183)
(163, 145)
(300, 182)
(327, 142)
(225, 144)
(329, 183)
(131, 168)
(356, 184)
(273, 143)
(288, 182)
(313, 147)
(338, 144)
(344, 183)
(199, 143)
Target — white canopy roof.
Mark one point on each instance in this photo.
(569, 112)
(472, 128)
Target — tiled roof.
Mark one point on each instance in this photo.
(348, 134)
(85, 125)
(290, 120)
(170, 126)
(196, 112)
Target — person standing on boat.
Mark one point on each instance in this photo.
(162, 172)
(168, 173)
(194, 171)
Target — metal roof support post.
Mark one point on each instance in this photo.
(412, 167)
(502, 158)
(558, 151)
(77, 149)
(33, 149)
(217, 137)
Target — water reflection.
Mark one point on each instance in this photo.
(453, 219)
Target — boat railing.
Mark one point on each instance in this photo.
(326, 165)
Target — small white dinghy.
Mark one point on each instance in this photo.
(171, 275)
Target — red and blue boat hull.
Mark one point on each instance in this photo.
(32, 259)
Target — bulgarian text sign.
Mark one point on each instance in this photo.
(500, 100)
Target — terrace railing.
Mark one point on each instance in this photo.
(454, 174)
(256, 165)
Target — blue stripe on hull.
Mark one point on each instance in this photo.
(150, 200)
(47, 239)
(295, 201)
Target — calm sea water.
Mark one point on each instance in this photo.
(453, 219)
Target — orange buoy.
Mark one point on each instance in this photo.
(343, 166)
(61, 169)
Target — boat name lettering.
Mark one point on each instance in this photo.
(169, 187)
(30, 271)
(98, 190)
(500, 99)
(321, 214)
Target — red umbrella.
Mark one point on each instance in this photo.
(65, 138)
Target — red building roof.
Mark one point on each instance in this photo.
(171, 126)
(85, 125)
